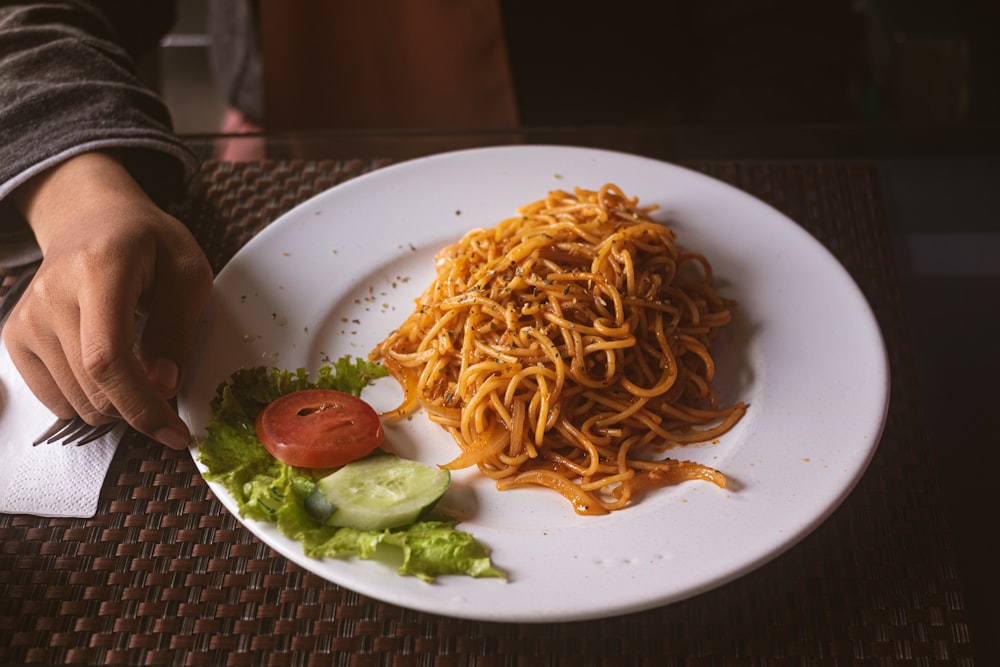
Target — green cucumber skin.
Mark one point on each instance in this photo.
(318, 506)
(382, 492)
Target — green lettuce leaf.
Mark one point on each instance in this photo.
(431, 548)
(268, 490)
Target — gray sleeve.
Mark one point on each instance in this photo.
(68, 85)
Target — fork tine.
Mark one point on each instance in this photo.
(77, 429)
(96, 433)
(74, 431)
(54, 432)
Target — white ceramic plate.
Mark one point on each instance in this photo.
(336, 274)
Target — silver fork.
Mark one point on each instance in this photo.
(74, 430)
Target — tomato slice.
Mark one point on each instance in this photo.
(319, 428)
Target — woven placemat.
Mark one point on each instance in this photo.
(164, 575)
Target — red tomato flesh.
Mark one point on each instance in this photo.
(319, 428)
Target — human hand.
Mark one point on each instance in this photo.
(109, 254)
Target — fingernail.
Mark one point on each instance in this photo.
(164, 373)
(172, 439)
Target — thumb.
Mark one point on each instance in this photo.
(165, 375)
(178, 294)
(167, 341)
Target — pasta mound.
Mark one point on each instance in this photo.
(568, 347)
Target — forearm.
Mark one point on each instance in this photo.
(53, 200)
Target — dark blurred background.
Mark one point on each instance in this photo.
(722, 61)
(795, 69)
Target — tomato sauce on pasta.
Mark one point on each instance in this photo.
(568, 347)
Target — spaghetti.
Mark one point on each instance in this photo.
(566, 347)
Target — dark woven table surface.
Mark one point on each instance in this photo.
(163, 574)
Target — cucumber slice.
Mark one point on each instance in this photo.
(381, 492)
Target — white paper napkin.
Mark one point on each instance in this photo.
(52, 479)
